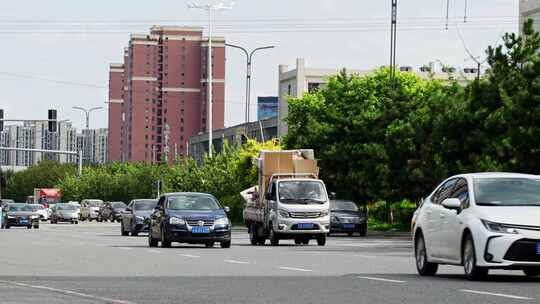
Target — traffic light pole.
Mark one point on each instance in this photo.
(77, 153)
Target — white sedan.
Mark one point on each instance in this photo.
(481, 221)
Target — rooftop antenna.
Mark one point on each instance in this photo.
(465, 13)
(447, 12)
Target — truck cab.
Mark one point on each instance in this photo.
(298, 208)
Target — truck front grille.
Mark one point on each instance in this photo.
(305, 215)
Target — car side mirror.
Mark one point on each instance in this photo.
(269, 197)
(158, 208)
(332, 195)
(226, 209)
(128, 209)
(451, 203)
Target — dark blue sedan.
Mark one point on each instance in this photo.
(193, 218)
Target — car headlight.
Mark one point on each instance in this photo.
(324, 213)
(176, 221)
(222, 221)
(34, 217)
(498, 227)
(10, 217)
(284, 214)
(140, 218)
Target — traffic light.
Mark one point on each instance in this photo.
(1, 120)
(52, 121)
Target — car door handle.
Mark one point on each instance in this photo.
(442, 215)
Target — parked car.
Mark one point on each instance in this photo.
(346, 217)
(194, 218)
(20, 215)
(90, 209)
(41, 211)
(65, 213)
(6, 201)
(77, 207)
(481, 221)
(50, 209)
(136, 217)
(111, 211)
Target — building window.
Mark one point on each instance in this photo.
(289, 90)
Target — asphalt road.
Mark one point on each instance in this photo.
(92, 263)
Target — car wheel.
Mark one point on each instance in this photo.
(298, 241)
(226, 244)
(274, 239)
(29, 227)
(424, 267)
(152, 242)
(209, 244)
(363, 233)
(36, 227)
(165, 243)
(472, 271)
(306, 241)
(253, 235)
(134, 233)
(350, 233)
(7, 227)
(532, 272)
(321, 240)
(122, 230)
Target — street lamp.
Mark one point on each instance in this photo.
(249, 57)
(85, 136)
(87, 113)
(211, 9)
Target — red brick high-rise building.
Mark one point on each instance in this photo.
(164, 93)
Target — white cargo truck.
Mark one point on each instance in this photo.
(290, 201)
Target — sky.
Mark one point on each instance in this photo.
(56, 53)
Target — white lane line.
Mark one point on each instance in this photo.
(382, 280)
(296, 269)
(502, 295)
(364, 256)
(70, 293)
(154, 251)
(190, 256)
(124, 248)
(235, 262)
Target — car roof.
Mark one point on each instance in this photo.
(187, 193)
(497, 175)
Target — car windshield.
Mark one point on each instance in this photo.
(192, 202)
(117, 205)
(19, 207)
(66, 207)
(95, 203)
(343, 206)
(507, 191)
(144, 205)
(301, 192)
(37, 207)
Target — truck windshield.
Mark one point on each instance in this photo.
(301, 192)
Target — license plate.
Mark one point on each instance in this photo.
(537, 248)
(200, 230)
(23, 221)
(306, 226)
(348, 226)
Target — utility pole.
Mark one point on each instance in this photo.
(393, 40)
(211, 9)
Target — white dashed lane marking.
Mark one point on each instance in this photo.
(501, 295)
(382, 280)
